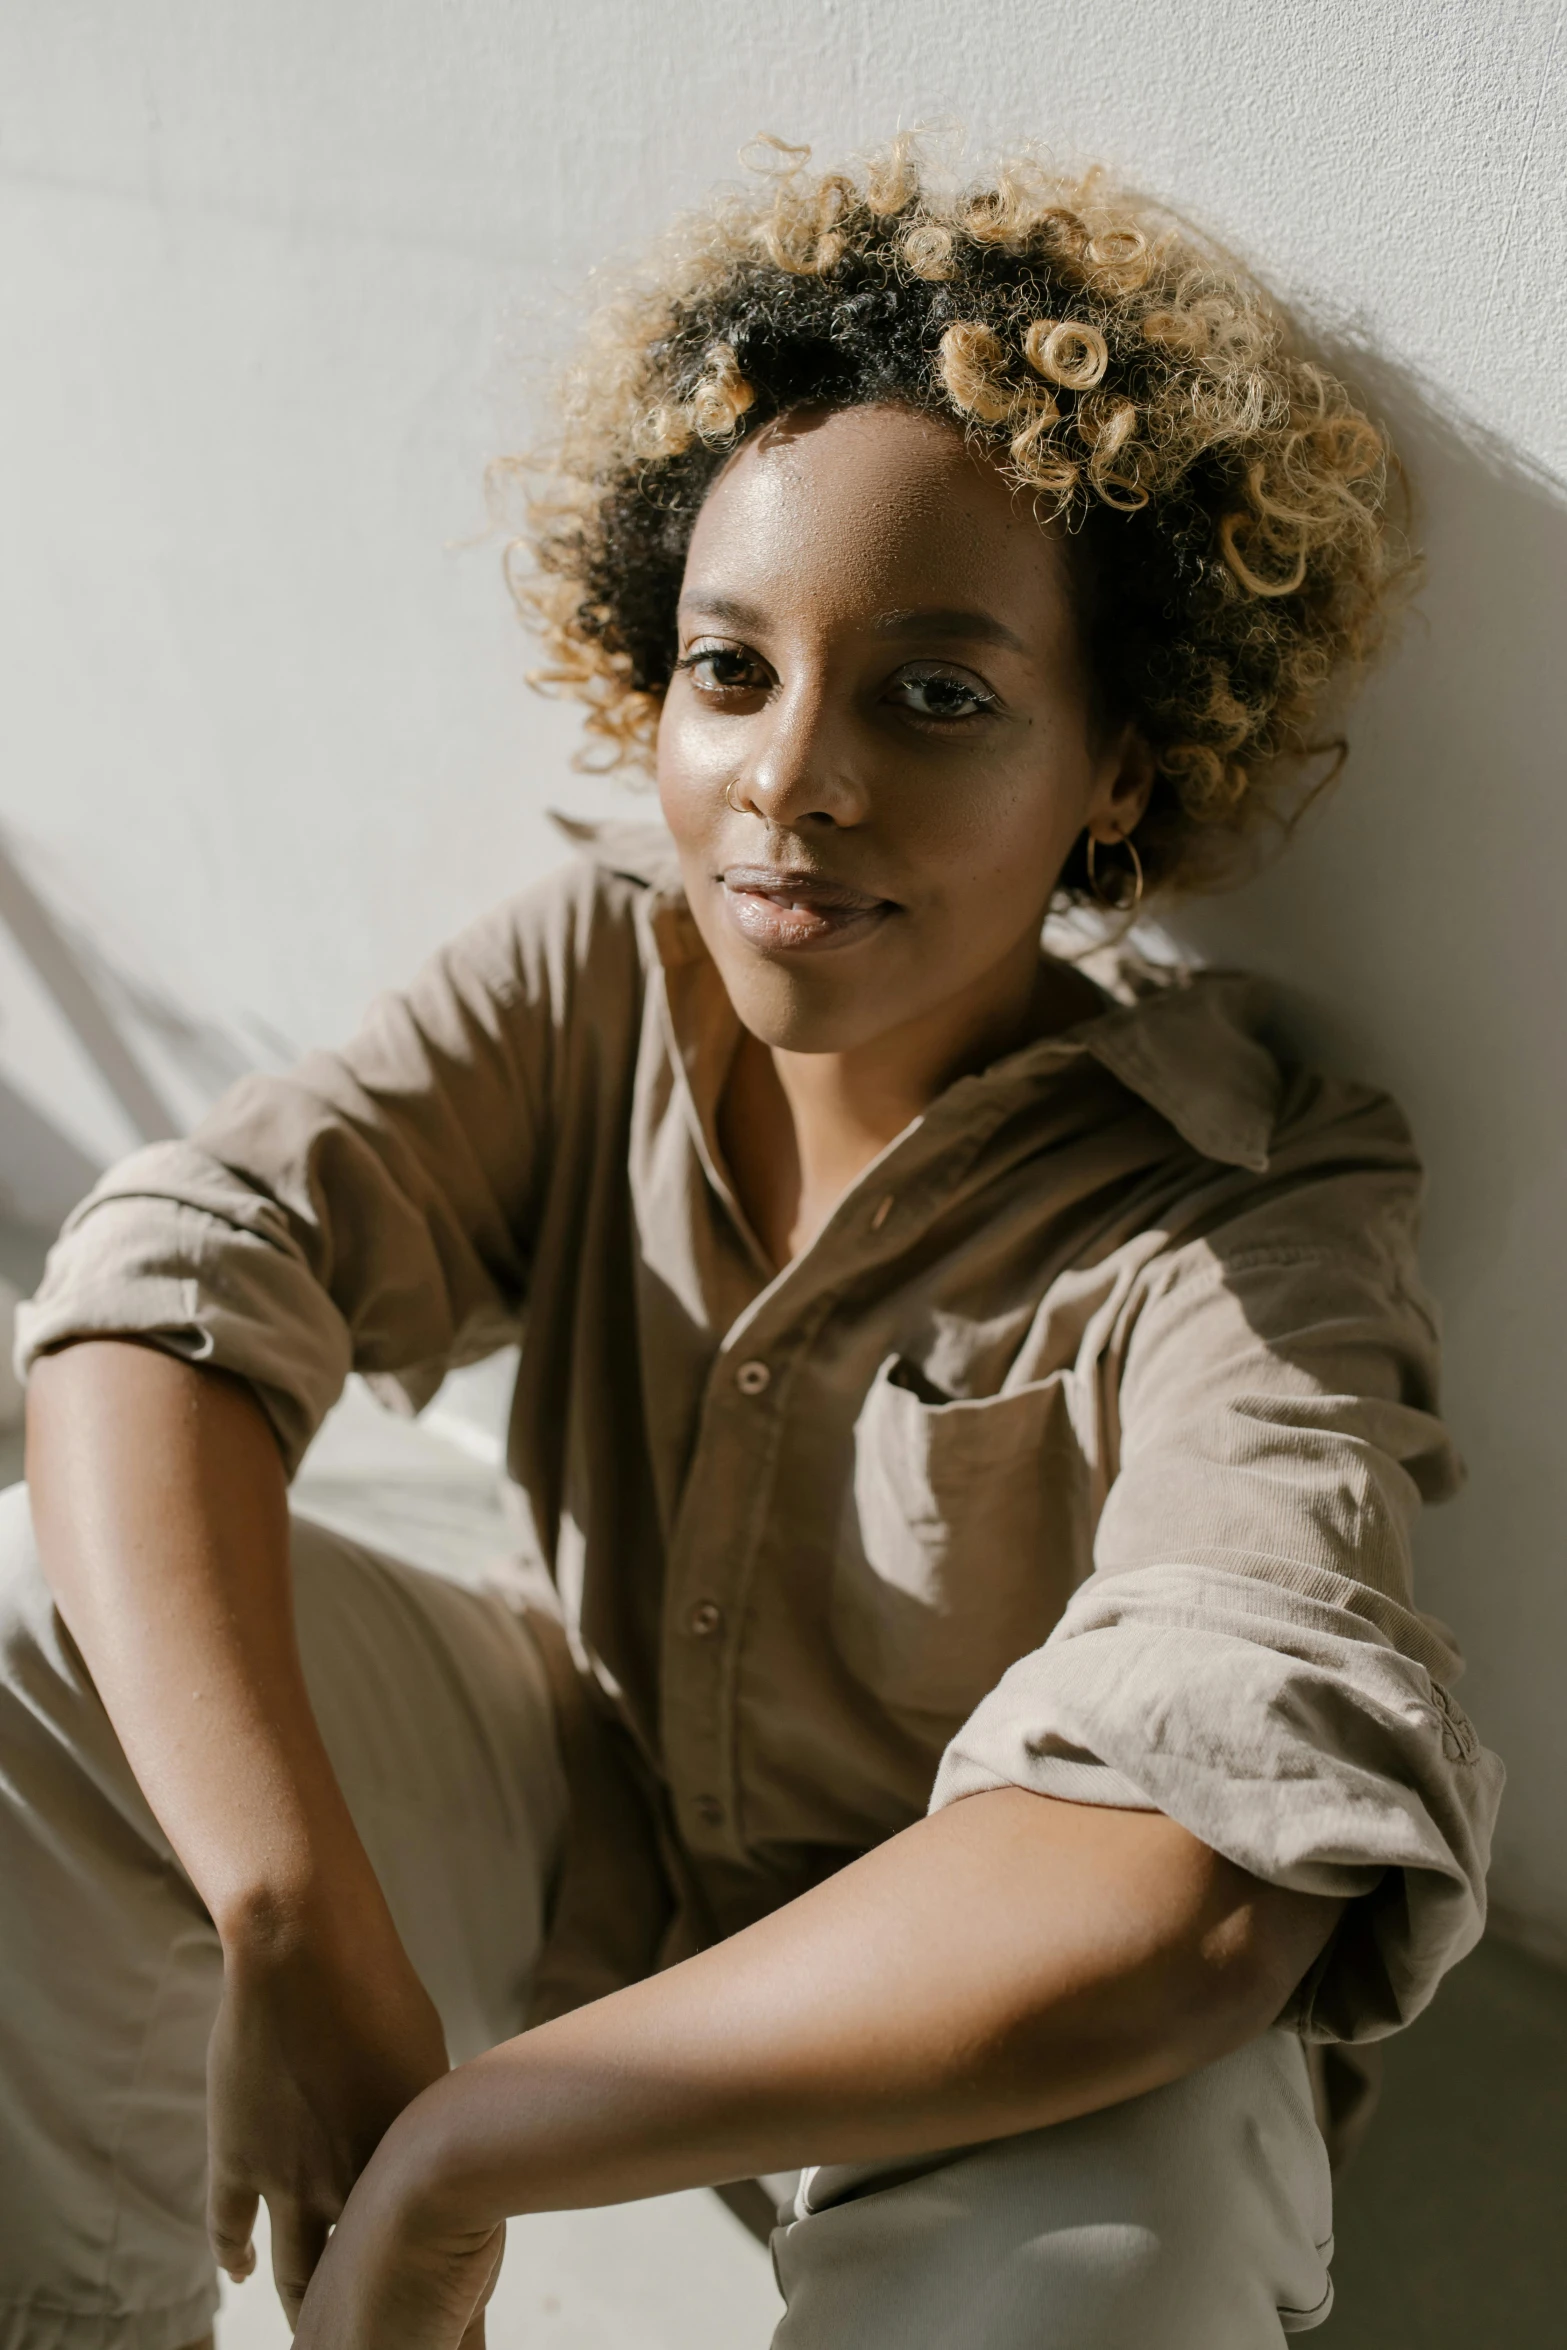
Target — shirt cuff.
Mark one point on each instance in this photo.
(1302, 1728)
(171, 1249)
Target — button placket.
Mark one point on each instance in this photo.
(722, 1518)
(720, 1530)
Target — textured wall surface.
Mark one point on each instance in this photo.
(278, 280)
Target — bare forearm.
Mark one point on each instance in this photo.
(161, 1511)
(1010, 1963)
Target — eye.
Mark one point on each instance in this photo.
(940, 693)
(723, 669)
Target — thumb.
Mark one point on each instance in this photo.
(231, 2220)
(473, 2338)
(298, 2240)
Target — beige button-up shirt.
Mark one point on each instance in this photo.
(1077, 1452)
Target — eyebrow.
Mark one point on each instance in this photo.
(713, 606)
(977, 628)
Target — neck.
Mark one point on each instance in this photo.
(799, 1128)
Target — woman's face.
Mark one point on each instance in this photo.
(877, 748)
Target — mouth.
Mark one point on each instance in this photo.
(792, 911)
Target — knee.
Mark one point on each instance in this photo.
(1221, 2184)
(42, 1676)
(1196, 2217)
(16, 1518)
(24, 1595)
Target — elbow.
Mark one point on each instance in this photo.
(1252, 1961)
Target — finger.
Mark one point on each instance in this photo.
(231, 2224)
(298, 2240)
(473, 2339)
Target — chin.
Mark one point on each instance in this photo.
(792, 1012)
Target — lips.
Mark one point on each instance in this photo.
(792, 910)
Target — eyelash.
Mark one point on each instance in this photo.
(693, 661)
(933, 674)
(982, 702)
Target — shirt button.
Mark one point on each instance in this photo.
(753, 1378)
(704, 1619)
(709, 1811)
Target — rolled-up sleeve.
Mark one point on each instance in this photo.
(370, 1211)
(1246, 1656)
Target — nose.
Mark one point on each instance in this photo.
(799, 770)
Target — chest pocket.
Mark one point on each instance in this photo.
(964, 1536)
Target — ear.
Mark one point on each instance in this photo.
(1122, 784)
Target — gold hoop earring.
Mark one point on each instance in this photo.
(729, 795)
(1122, 904)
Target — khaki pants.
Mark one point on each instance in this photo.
(1193, 2219)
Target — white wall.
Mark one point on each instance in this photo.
(275, 280)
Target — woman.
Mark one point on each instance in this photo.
(974, 1727)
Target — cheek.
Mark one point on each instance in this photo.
(1005, 830)
(694, 761)
(684, 793)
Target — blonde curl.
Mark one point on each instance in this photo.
(927, 249)
(721, 396)
(1068, 352)
(971, 360)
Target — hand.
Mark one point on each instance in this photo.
(320, 2042)
(393, 2279)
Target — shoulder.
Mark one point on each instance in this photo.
(582, 933)
(1209, 1050)
(1282, 1159)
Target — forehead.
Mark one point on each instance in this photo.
(872, 504)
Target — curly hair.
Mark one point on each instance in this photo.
(1222, 501)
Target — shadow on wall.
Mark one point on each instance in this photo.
(42, 1172)
(1417, 934)
(113, 1018)
(63, 973)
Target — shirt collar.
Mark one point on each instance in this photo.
(1185, 1040)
